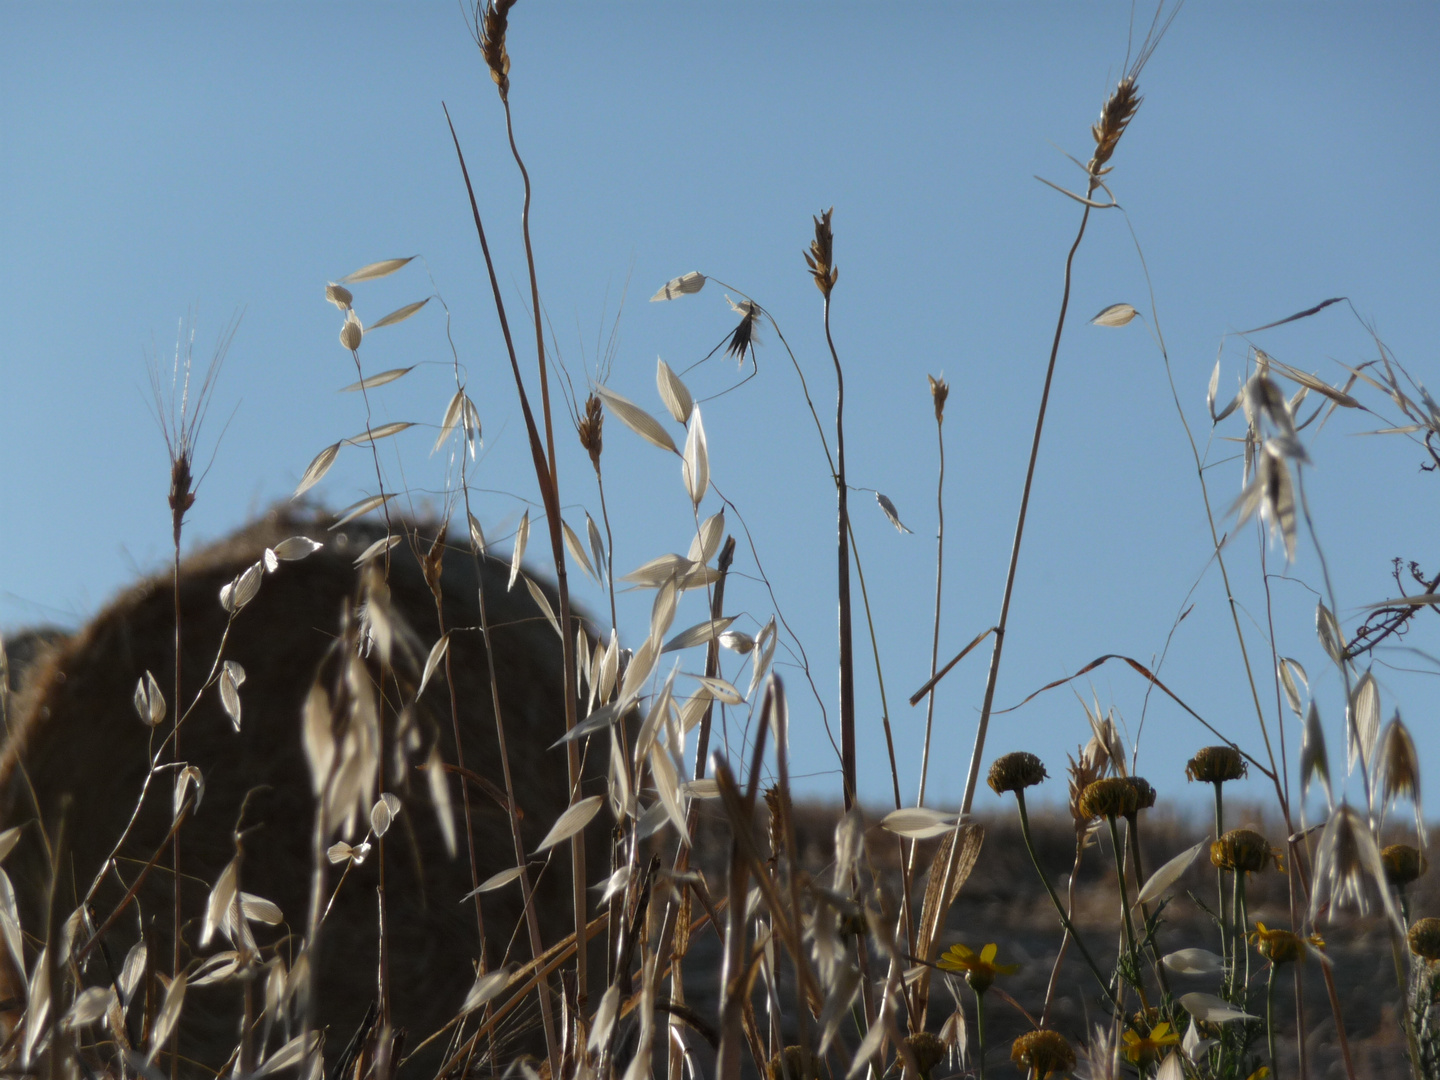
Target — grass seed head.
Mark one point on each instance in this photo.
(491, 25)
(742, 339)
(589, 429)
(821, 253)
(1425, 939)
(1015, 772)
(1045, 1052)
(1216, 765)
(1109, 798)
(1243, 851)
(939, 391)
(1115, 117)
(1403, 864)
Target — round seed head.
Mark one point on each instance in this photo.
(1144, 793)
(1015, 772)
(1425, 939)
(1111, 797)
(1243, 851)
(1216, 764)
(1046, 1052)
(1403, 864)
(794, 1063)
(929, 1051)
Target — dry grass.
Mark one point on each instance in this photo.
(338, 839)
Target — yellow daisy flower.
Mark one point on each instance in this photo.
(980, 970)
(1147, 1049)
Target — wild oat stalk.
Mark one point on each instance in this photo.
(1115, 117)
(820, 260)
(491, 26)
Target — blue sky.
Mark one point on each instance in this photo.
(163, 160)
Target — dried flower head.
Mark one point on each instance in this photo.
(1109, 798)
(1015, 772)
(1046, 1052)
(1216, 765)
(1425, 939)
(821, 254)
(1403, 864)
(1283, 946)
(1120, 108)
(939, 391)
(1144, 793)
(928, 1051)
(794, 1063)
(589, 428)
(1244, 851)
(743, 339)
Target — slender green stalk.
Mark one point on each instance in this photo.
(1059, 907)
(980, 1032)
(972, 778)
(1225, 949)
(1134, 952)
(847, 650)
(1270, 1024)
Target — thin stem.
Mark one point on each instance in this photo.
(550, 489)
(939, 577)
(980, 1032)
(175, 839)
(1220, 877)
(993, 677)
(1059, 909)
(1125, 903)
(1270, 1023)
(847, 656)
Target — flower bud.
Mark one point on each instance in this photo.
(1216, 764)
(1015, 772)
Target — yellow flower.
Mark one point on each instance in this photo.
(1147, 1049)
(1262, 1073)
(1282, 946)
(980, 970)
